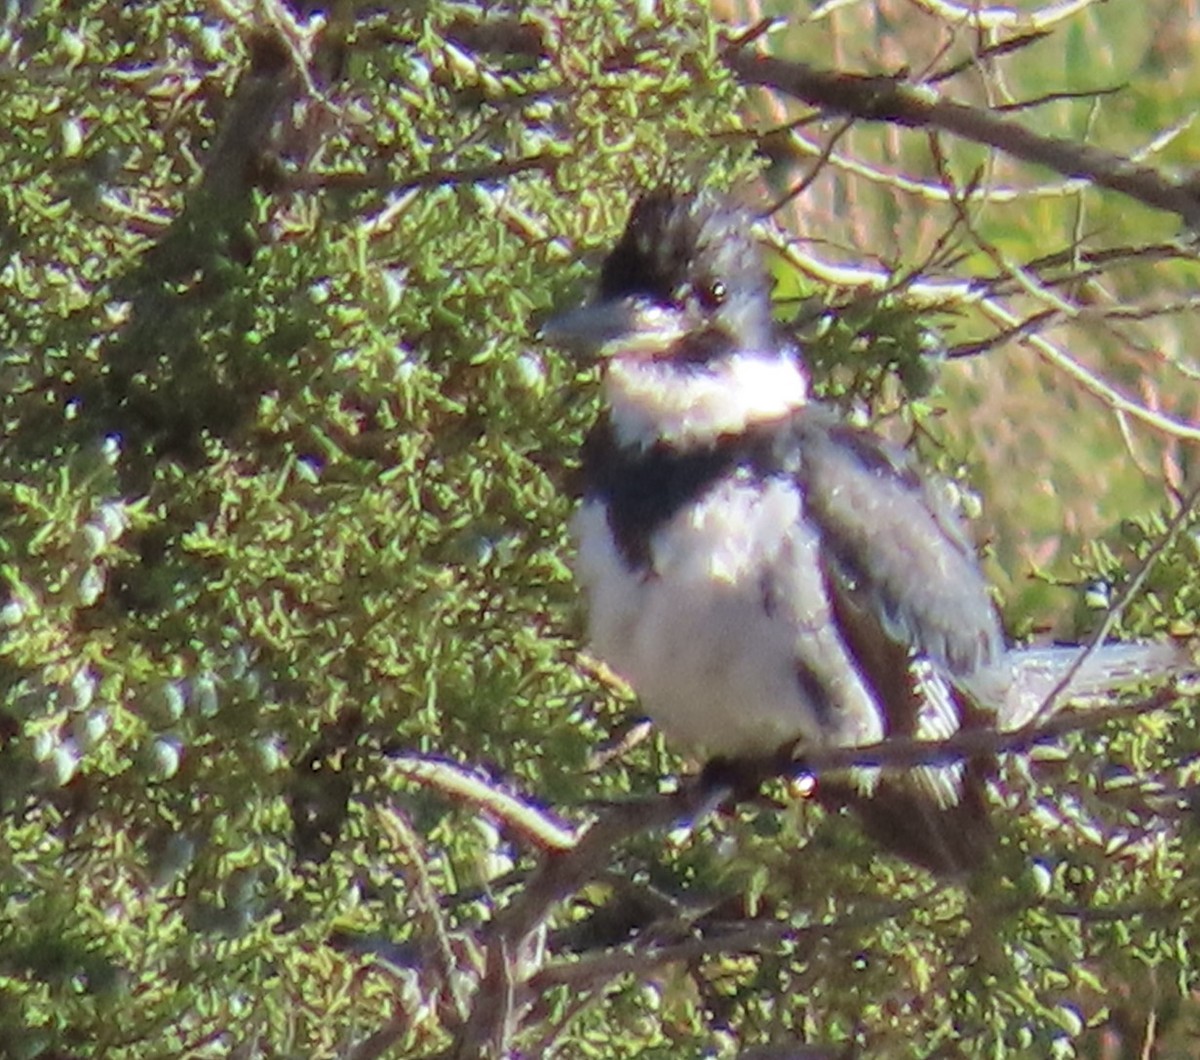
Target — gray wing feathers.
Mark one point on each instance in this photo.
(896, 545)
(845, 712)
(910, 595)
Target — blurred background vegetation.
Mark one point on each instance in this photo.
(285, 474)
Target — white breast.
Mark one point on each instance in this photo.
(712, 661)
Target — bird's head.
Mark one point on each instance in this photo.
(682, 320)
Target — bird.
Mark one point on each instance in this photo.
(771, 579)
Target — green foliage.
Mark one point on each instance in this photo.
(284, 485)
(284, 482)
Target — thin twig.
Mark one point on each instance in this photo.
(1003, 16)
(1131, 589)
(589, 973)
(396, 825)
(941, 294)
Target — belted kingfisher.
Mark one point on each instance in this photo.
(768, 577)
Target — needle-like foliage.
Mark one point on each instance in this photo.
(292, 697)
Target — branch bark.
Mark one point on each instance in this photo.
(890, 99)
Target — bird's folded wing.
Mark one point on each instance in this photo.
(895, 545)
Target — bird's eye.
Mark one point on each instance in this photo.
(712, 294)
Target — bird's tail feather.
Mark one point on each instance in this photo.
(936, 815)
(1093, 678)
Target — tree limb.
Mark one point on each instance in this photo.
(890, 99)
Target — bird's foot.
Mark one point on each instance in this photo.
(743, 777)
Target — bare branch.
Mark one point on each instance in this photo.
(738, 937)
(492, 1023)
(535, 826)
(452, 978)
(960, 293)
(879, 98)
(1005, 17)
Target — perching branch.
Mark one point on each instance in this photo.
(513, 974)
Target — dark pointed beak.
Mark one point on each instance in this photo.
(589, 328)
(620, 327)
